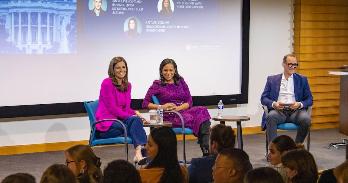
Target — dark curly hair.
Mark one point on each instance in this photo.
(166, 61)
(121, 171)
(223, 135)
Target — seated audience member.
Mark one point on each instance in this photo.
(164, 165)
(200, 170)
(114, 103)
(300, 166)
(19, 178)
(335, 174)
(279, 146)
(174, 94)
(121, 171)
(58, 173)
(84, 164)
(263, 175)
(282, 103)
(231, 165)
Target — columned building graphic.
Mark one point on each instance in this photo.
(38, 26)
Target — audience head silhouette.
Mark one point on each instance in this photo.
(84, 163)
(121, 171)
(221, 137)
(58, 173)
(162, 150)
(231, 165)
(19, 178)
(278, 147)
(300, 166)
(263, 175)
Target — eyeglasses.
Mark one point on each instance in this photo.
(293, 65)
(67, 162)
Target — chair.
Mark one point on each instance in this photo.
(289, 126)
(91, 108)
(184, 131)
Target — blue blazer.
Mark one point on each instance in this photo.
(200, 170)
(270, 94)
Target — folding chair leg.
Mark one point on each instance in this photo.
(127, 150)
(266, 143)
(308, 140)
(184, 148)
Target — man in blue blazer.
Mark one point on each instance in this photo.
(287, 96)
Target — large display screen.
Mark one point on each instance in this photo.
(58, 51)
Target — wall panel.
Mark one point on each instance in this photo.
(321, 45)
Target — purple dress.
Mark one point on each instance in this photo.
(178, 94)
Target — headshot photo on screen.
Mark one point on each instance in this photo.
(132, 27)
(165, 7)
(97, 7)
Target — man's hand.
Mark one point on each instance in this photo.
(295, 106)
(278, 106)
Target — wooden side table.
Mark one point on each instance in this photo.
(238, 120)
(156, 125)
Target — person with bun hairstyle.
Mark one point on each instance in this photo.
(84, 164)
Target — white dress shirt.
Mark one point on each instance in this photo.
(286, 91)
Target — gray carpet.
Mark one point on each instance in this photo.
(254, 145)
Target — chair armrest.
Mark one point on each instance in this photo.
(114, 121)
(180, 116)
(183, 133)
(265, 109)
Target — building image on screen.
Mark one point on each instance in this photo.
(38, 27)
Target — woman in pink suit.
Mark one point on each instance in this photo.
(114, 103)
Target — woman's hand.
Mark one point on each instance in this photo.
(182, 107)
(169, 106)
(137, 113)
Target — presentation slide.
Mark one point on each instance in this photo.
(58, 51)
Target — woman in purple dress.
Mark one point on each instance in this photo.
(174, 94)
(114, 103)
